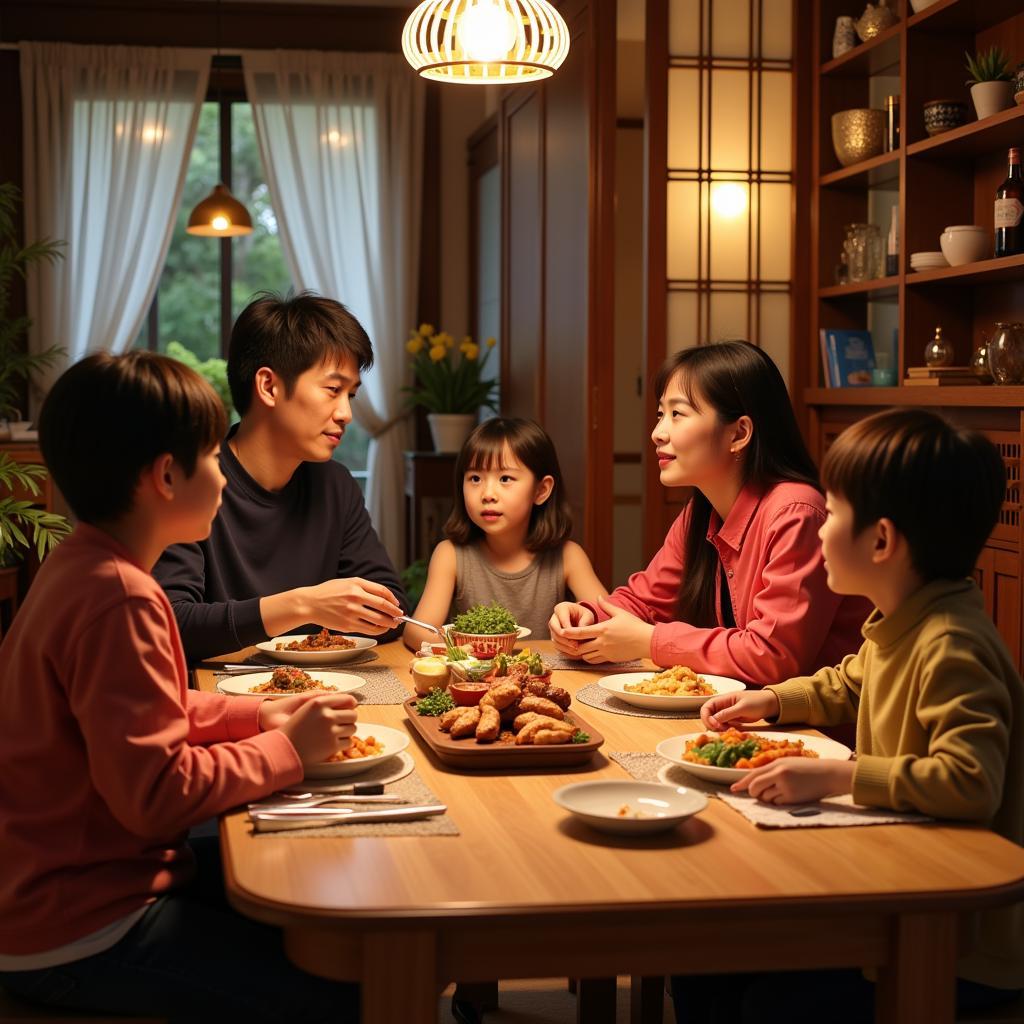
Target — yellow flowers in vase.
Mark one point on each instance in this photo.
(450, 379)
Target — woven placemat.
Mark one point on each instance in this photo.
(411, 788)
(562, 661)
(832, 812)
(597, 697)
(382, 685)
(260, 659)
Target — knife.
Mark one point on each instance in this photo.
(316, 789)
(319, 801)
(299, 817)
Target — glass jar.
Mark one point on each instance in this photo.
(1006, 353)
(979, 358)
(863, 249)
(938, 351)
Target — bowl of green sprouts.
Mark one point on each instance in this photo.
(488, 629)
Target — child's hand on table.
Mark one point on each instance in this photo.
(317, 724)
(797, 780)
(727, 709)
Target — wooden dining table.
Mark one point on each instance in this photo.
(527, 891)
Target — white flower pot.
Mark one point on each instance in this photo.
(991, 97)
(449, 430)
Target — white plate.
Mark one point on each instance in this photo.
(672, 750)
(241, 685)
(653, 702)
(598, 804)
(362, 644)
(393, 741)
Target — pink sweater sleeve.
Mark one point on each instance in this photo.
(792, 610)
(129, 701)
(214, 717)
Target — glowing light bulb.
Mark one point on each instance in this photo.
(486, 32)
(151, 133)
(220, 222)
(728, 199)
(335, 138)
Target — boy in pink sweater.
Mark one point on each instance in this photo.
(109, 758)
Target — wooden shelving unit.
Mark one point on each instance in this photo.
(948, 179)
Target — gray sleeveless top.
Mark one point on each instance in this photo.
(530, 594)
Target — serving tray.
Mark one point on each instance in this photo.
(468, 754)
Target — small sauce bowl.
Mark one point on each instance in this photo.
(428, 674)
(466, 693)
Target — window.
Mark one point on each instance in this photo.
(207, 282)
(730, 176)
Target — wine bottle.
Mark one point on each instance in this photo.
(892, 245)
(1009, 210)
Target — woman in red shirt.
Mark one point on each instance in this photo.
(738, 587)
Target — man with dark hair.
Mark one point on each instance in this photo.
(293, 545)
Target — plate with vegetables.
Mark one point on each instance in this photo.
(724, 757)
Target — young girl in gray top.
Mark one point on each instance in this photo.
(507, 535)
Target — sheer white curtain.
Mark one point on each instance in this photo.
(108, 132)
(341, 137)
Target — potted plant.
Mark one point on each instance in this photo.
(20, 517)
(991, 81)
(450, 384)
(17, 365)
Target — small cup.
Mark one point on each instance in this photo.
(430, 673)
(883, 378)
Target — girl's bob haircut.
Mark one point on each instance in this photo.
(551, 522)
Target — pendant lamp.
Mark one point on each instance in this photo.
(219, 215)
(485, 42)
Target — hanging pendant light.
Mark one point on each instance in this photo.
(485, 42)
(219, 215)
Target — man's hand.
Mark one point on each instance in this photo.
(353, 606)
(620, 638)
(727, 709)
(797, 780)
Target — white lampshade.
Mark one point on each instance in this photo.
(485, 42)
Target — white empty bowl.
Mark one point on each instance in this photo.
(965, 243)
(920, 5)
(636, 807)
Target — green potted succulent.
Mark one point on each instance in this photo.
(23, 525)
(990, 82)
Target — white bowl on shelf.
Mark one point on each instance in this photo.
(965, 243)
(920, 5)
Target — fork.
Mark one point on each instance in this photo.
(422, 625)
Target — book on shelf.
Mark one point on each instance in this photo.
(851, 357)
(967, 380)
(939, 371)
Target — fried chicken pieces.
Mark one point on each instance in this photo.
(534, 709)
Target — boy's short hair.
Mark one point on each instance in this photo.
(941, 485)
(290, 335)
(109, 417)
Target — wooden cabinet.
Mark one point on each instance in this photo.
(934, 181)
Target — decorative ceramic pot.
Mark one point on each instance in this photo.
(991, 97)
(449, 430)
(941, 115)
(858, 134)
(874, 20)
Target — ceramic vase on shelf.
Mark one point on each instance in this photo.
(991, 97)
(449, 430)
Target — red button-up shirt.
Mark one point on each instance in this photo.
(788, 622)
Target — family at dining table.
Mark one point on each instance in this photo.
(841, 598)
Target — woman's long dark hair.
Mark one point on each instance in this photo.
(735, 379)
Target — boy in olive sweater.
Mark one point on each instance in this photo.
(938, 702)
